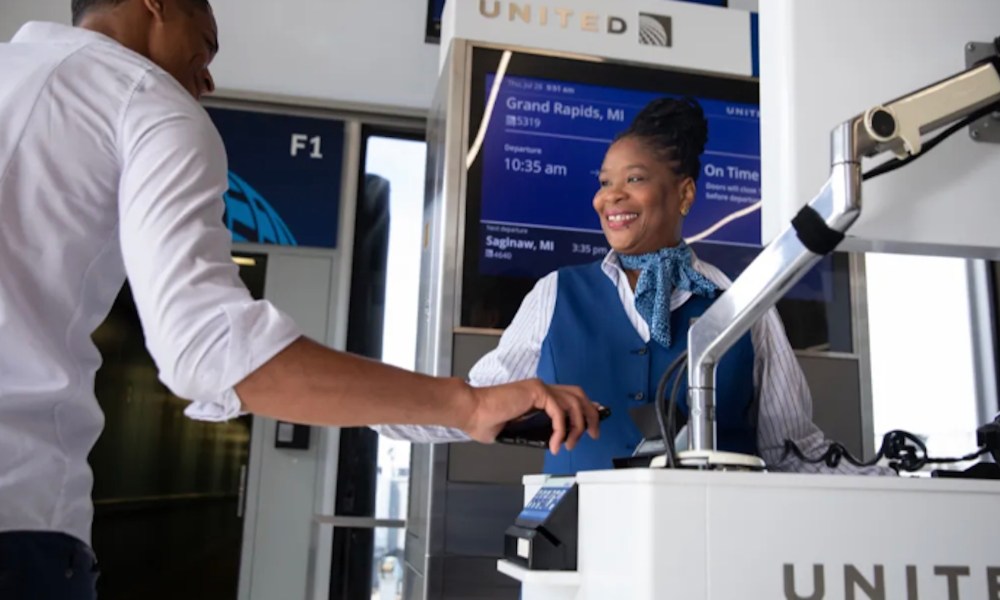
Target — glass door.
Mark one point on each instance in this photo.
(373, 474)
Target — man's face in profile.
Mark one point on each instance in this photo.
(183, 41)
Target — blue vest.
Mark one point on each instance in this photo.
(592, 344)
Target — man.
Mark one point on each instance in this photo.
(109, 168)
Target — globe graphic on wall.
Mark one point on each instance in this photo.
(251, 218)
(652, 32)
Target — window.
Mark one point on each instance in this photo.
(373, 477)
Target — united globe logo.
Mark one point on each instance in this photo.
(655, 30)
(251, 218)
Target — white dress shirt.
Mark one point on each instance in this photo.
(785, 400)
(108, 168)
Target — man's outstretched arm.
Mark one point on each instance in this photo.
(226, 352)
(309, 383)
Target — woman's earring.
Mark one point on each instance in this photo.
(684, 211)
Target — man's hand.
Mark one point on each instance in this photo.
(496, 405)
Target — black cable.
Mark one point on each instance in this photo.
(896, 163)
(667, 405)
(672, 411)
(659, 401)
(905, 451)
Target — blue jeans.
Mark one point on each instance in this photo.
(42, 565)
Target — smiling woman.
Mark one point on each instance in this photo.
(648, 178)
(628, 314)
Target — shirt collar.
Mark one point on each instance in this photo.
(612, 267)
(42, 31)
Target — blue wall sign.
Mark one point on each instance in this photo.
(284, 177)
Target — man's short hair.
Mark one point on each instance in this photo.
(81, 7)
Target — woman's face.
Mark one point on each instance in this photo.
(641, 201)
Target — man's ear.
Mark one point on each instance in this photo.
(156, 8)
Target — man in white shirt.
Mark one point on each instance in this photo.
(110, 168)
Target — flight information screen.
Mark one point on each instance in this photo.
(536, 149)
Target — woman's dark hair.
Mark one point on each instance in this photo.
(675, 129)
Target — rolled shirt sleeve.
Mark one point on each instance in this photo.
(202, 327)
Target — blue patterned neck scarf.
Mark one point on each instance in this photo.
(662, 272)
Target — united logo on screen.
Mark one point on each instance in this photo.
(655, 30)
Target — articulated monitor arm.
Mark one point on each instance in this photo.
(894, 127)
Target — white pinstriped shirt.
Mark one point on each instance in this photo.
(785, 400)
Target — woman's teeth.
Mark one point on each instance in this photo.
(622, 217)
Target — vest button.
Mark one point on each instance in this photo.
(639, 396)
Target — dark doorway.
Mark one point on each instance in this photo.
(167, 520)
